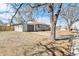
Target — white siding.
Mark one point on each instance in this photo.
(19, 28)
(24, 27)
(62, 29)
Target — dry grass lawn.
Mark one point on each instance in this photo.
(26, 43)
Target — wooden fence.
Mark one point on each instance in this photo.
(6, 28)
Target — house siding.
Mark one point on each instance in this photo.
(41, 27)
(24, 27)
(18, 28)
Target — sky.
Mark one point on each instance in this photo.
(26, 1)
(41, 1)
(6, 13)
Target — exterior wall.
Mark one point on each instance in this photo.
(30, 27)
(24, 27)
(41, 27)
(18, 28)
(62, 29)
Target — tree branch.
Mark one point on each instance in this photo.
(39, 5)
(15, 13)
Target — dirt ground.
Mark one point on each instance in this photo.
(30, 44)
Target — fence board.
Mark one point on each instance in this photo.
(6, 28)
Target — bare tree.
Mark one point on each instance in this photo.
(70, 14)
(28, 13)
(56, 17)
(51, 10)
(1, 22)
(16, 12)
(53, 19)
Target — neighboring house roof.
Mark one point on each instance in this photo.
(30, 22)
(16, 24)
(35, 22)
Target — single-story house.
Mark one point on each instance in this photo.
(31, 26)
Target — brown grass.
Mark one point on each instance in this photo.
(26, 43)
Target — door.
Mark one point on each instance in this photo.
(30, 28)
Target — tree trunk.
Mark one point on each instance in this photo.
(53, 19)
(69, 28)
(51, 10)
